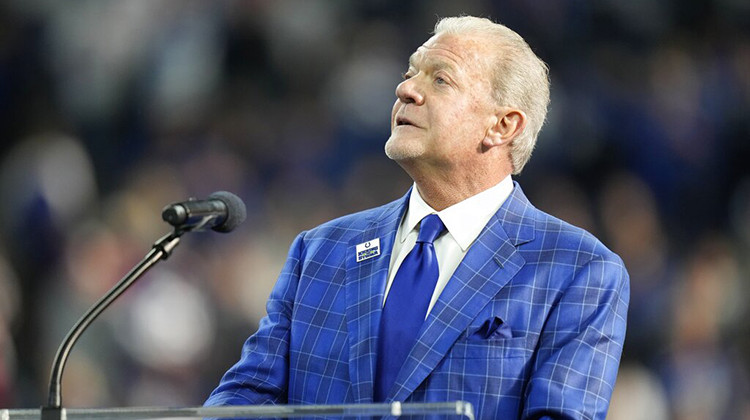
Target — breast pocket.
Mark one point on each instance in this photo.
(491, 371)
(498, 348)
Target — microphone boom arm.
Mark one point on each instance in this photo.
(161, 250)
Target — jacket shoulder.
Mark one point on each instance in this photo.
(563, 238)
(354, 223)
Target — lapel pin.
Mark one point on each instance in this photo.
(369, 249)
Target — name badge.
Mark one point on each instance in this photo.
(368, 249)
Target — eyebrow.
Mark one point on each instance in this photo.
(436, 64)
(412, 58)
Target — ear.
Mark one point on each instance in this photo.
(508, 124)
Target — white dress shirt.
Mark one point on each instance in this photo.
(464, 222)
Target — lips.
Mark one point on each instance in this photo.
(403, 121)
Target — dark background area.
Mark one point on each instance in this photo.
(110, 110)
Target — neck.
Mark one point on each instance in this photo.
(445, 182)
(441, 192)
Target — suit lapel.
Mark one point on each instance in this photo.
(365, 289)
(488, 266)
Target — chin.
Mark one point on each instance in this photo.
(401, 149)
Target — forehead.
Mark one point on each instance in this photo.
(453, 51)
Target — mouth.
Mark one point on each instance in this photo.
(403, 121)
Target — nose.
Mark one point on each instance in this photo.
(408, 92)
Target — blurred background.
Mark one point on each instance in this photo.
(109, 110)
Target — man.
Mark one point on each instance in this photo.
(522, 314)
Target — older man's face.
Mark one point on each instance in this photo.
(444, 106)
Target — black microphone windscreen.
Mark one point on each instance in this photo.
(236, 211)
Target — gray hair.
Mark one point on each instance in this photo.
(520, 79)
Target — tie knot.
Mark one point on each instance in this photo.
(430, 228)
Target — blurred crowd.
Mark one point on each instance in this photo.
(109, 110)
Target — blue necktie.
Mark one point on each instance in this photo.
(406, 305)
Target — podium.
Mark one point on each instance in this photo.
(443, 410)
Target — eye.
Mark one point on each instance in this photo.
(406, 76)
(440, 78)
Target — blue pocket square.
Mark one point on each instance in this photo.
(491, 329)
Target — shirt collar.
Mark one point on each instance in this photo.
(464, 220)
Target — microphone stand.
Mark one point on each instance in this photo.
(161, 250)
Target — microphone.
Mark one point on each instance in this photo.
(222, 212)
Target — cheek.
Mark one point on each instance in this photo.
(463, 121)
(477, 115)
(394, 111)
(462, 130)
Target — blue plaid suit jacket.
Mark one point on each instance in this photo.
(531, 325)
